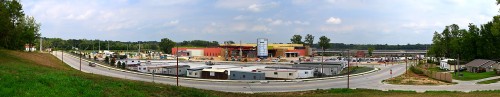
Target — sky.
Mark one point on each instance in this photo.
(343, 21)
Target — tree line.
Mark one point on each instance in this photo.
(16, 28)
(164, 45)
(476, 42)
(309, 40)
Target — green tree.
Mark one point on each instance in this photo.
(229, 42)
(324, 42)
(309, 40)
(166, 45)
(370, 51)
(296, 39)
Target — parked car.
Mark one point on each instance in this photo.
(461, 69)
(92, 64)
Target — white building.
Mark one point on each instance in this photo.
(163, 69)
(286, 72)
(443, 64)
(27, 48)
(195, 72)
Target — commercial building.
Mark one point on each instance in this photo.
(247, 50)
(328, 68)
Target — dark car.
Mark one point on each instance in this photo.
(92, 64)
(461, 69)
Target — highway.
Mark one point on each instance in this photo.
(368, 81)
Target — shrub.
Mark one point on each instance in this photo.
(416, 70)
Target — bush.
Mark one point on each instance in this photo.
(416, 70)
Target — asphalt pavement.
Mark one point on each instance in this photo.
(368, 81)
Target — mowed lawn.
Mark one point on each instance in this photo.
(40, 74)
(468, 76)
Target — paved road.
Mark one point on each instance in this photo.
(369, 81)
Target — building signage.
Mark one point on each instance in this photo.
(262, 47)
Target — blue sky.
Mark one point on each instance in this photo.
(343, 21)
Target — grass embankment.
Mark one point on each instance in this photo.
(38, 74)
(489, 81)
(379, 93)
(356, 69)
(468, 76)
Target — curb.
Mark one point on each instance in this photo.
(214, 80)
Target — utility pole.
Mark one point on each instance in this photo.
(154, 76)
(99, 46)
(322, 54)
(458, 63)
(108, 45)
(177, 57)
(406, 60)
(348, 71)
(80, 60)
(62, 56)
(41, 44)
(241, 53)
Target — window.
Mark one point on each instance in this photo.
(212, 73)
(290, 74)
(234, 75)
(275, 73)
(254, 77)
(306, 72)
(243, 76)
(195, 73)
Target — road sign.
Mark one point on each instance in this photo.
(262, 48)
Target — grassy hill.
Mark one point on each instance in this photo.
(41, 74)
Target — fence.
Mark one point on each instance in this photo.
(442, 76)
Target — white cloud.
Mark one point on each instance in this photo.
(171, 23)
(276, 22)
(333, 20)
(254, 7)
(239, 17)
(261, 7)
(336, 29)
(260, 28)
